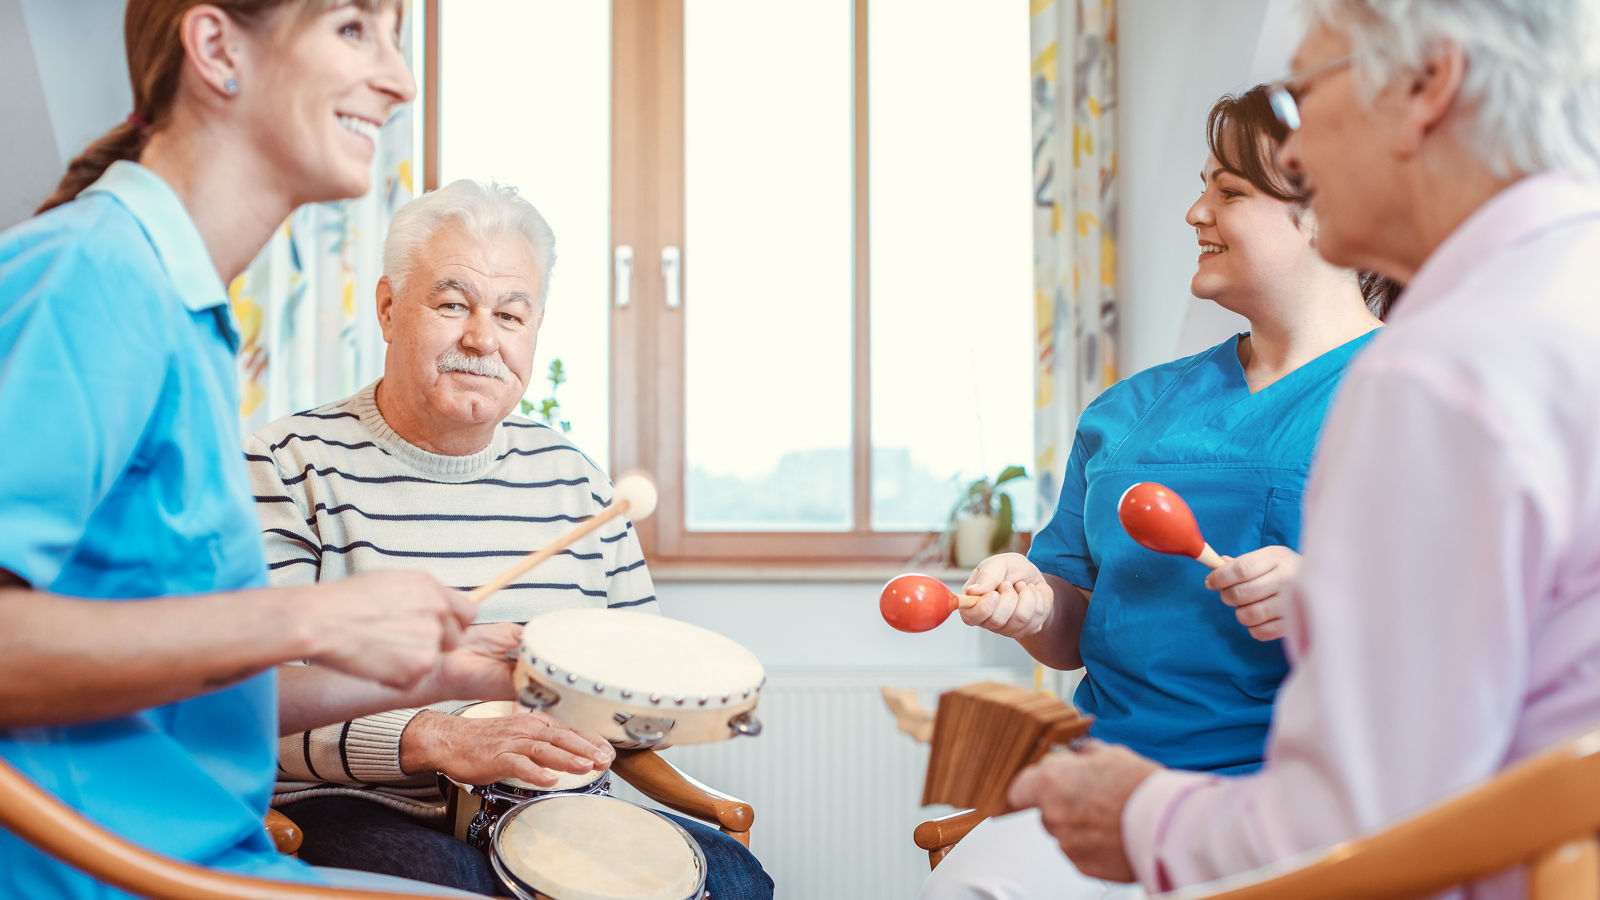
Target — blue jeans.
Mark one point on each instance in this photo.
(352, 833)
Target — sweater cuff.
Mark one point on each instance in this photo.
(1145, 819)
(372, 746)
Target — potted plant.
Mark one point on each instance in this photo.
(980, 522)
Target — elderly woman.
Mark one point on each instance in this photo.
(1181, 666)
(136, 662)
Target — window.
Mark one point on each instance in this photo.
(794, 250)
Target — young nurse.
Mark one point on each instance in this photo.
(1179, 665)
(137, 659)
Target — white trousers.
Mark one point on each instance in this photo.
(1014, 858)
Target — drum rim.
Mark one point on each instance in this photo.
(517, 885)
(600, 784)
(565, 679)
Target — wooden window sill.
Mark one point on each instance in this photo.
(678, 572)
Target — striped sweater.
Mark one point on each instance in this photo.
(339, 492)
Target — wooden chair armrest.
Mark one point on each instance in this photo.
(285, 834)
(1544, 811)
(945, 831)
(938, 836)
(61, 832)
(662, 782)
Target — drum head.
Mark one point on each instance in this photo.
(586, 847)
(645, 653)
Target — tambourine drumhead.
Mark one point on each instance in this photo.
(565, 781)
(644, 652)
(584, 847)
(638, 679)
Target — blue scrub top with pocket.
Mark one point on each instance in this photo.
(1169, 671)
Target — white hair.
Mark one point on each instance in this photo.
(1532, 84)
(485, 210)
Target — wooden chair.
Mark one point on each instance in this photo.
(45, 822)
(1543, 812)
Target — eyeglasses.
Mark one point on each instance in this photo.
(1284, 94)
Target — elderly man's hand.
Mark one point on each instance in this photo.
(1080, 796)
(526, 744)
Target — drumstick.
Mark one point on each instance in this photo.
(634, 492)
(1158, 519)
(920, 602)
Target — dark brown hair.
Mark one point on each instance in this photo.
(155, 60)
(1244, 135)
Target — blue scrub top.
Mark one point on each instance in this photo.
(123, 479)
(1169, 671)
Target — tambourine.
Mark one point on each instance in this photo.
(638, 680)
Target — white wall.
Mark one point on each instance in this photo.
(1175, 58)
(802, 624)
(31, 162)
(78, 50)
(66, 83)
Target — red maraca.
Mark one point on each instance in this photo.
(1157, 518)
(919, 602)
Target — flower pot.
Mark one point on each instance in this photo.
(972, 538)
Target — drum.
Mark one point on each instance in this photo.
(638, 680)
(587, 847)
(473, 809)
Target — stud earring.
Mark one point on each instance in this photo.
(231, 85)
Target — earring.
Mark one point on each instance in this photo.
(231, 85)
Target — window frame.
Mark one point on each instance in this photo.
(647, 339)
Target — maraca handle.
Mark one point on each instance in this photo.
(967, 601)
(1210, 557)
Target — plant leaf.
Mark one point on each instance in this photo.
(1002, 526)
(1010, 472)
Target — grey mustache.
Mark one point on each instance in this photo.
(456, 361)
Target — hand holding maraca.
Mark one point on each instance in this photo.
(919, 602)
(1014, 599)
(1257, 585)
(1006, 594)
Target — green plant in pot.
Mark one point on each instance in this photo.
(981, 521)
(549, 409)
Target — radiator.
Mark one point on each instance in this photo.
(836, 788)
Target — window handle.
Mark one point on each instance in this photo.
(672, 274)
(622, 266)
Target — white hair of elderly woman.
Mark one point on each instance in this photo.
(485, 210)
(1532, 85)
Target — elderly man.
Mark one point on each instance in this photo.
(427, 468)
(1446, 620)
